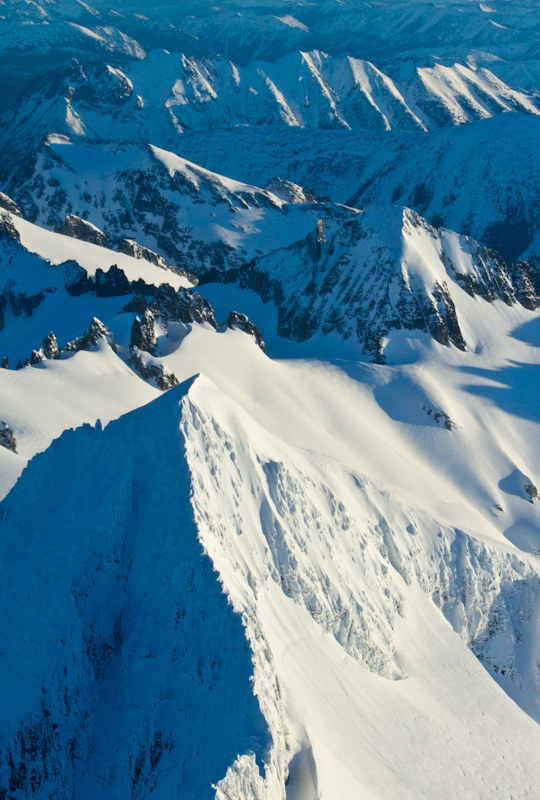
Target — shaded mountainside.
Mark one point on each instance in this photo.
(384, 270)
(130, 615)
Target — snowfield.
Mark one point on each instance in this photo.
(269, 420)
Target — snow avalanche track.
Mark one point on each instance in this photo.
(359, 614)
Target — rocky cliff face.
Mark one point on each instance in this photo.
(381, 271)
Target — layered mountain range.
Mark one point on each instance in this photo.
(269, 430)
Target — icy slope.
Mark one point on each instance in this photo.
(282, 528)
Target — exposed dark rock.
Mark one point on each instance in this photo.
(137, 305)
(7, 438)
(492, 280)
(9, 205)
(76, 278)
(112, 283)
(440, 416)
(81, 229)
(290, 192)
(49, 347)
(136, 250)
(143, 336)
(152, 370)
(37, 357)
(141, 287)
(182, 306)
(242, 323)
(49, 350)
(25, 304)
(91, 338)
(532, 491)
(8, 231)
(442, 321)
(526, 280)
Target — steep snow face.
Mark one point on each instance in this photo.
(338, 594)
(145, 677)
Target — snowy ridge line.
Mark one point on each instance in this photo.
(117, 629)
(164, 95)
(282, 527)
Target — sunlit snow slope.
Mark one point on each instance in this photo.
(359, 606)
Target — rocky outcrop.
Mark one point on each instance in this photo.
(112, 283)
(82, 229)
(492, 279)
(289, 191)
(167, 306)
(182, 306)
(36, 358)
(91, 338)
(8, 231)
(21, 303)
(9, 205)
(48, 351)
(243, 323)
(526, 281)
(76, 278)
(143, 335)
(136, 250)
(7, 438)
(152, 370)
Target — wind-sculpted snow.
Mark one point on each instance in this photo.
(314, 573)
(152, 667)
(334, 543)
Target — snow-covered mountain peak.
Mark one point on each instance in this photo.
(269, 430)
(364, 580)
